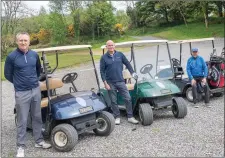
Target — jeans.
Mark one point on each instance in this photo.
(121, 87)
(195, 91)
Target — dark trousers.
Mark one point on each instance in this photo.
(121, 87)
(195, 90)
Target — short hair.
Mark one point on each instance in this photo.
(110, 41)
(22, 33)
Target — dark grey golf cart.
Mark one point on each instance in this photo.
(215, 69)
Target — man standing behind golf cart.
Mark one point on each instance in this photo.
(111, 67)
(22, 69)
(197, 72)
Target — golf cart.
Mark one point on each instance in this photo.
(148, 92)
(215, 65)
(70, 109)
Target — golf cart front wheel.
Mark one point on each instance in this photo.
(179, 107)
(145, 114)
(189, 94)
(105, 124)
(64, 137)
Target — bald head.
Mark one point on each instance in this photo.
(110, 46)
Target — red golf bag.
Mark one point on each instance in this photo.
(216, 72)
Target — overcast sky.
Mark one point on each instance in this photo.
(120, 5)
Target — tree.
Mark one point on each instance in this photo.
(42, 11)
(122, 18)
(75, 9)
(57, 28)
(204, 7)
(9, 15)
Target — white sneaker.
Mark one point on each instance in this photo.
(133, 120)
(43, 145)
(117, 121)
(20, 152)
(208, 105)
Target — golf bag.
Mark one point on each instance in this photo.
(216, 71)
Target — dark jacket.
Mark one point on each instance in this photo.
(23, 69)
(111, 67)
(196, 67)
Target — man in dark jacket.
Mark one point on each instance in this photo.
(197, 73)
(22, 69)
(111, 67)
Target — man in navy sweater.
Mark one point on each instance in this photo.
(197, 72)
(22, 69)
(111, 67)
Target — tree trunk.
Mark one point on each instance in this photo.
(166, 15)
(185, 21)
(205, 12)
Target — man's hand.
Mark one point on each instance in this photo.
(135, 76)
(204, 80)
(107, 86)
(193, 82)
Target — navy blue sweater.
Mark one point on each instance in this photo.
(111, 67)
(23, 69)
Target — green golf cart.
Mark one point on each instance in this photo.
(150, 91)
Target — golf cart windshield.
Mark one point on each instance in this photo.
(75, 67)
(147, 59)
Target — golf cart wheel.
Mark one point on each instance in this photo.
(145, 114)
(189, 94)
(106, 124)
(64, 137)
(219, 94)
(179, 107)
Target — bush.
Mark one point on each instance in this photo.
(34, 39)
(43, 36)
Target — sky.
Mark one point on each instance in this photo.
(120, 5)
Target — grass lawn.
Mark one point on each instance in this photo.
(194, 30)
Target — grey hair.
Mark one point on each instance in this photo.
(22, 33)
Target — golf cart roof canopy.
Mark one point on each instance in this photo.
(61, 48)
(191, 40)
(136, 43)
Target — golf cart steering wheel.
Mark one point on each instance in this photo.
(70, 77)
(176, 62)
(146, 69)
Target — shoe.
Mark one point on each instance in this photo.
(208, 105)
(20, 152)
(117, 121)
(43, 145)
(133, 120)
(196, 106)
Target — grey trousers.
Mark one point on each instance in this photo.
(26, 101)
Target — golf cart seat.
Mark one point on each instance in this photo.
(127, 76)
(44, 101)
(53, 84)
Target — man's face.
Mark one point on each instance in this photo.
(23, 42)
(110, 46)
(194, 53)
